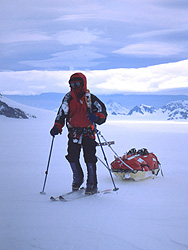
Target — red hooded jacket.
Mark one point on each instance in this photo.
(75, 107)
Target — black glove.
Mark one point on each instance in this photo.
(55, 130)
(92, 117)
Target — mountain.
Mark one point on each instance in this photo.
(52, 101)
(12, 109)
(177, 110)
(11, 112)
(142, 109)
(116, 109)
(49, 101)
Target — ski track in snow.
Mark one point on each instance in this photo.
(146, 215)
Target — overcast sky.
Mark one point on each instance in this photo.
(121, 45)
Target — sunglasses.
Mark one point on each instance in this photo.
(75, 85)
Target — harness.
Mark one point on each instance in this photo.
(78, 133)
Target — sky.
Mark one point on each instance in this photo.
(121, 45)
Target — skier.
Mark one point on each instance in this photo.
(81, 110)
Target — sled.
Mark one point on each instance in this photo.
(136, 165)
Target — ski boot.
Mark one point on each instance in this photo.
(91, 189)
(91, 179)
(76, 186)
(78, 176)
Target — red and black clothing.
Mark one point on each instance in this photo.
(75, 109)
(75, 112)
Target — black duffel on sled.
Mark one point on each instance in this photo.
(136, 165)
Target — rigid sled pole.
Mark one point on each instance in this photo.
(115, 188)
(102, 162)
(46, 173)
(98, 132)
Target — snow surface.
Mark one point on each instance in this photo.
(146, 215)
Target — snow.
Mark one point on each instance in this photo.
(147, 215)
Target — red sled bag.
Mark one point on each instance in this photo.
(136, 165)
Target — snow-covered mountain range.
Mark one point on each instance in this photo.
(175, 110)
(51, 101)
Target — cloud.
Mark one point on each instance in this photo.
(152, 32)
(33, 82)
(83, 57)
(72, 37)
(164, 32)
(76, 17)
(181, 4)
(156, 49)
(23, 36)
(66, 37)
(160, 78)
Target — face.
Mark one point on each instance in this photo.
(75, 84)
(76, 87)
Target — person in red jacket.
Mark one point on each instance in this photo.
(80, 110)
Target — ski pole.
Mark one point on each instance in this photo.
(102, 162)
(115, 188)
(115, 152)
(46, 172)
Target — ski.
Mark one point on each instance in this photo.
(80, 194)
(71, 193)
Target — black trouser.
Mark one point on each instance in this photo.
(89, 150)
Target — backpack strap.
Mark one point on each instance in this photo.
(88, 101)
